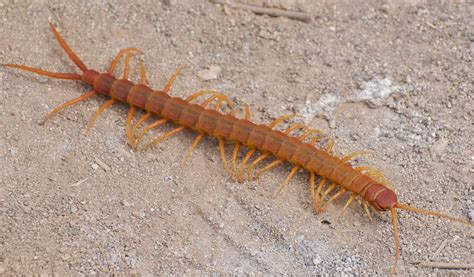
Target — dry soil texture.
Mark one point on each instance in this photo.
(392, 77)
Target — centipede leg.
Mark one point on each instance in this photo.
(190, 150)
(328, 190)
(330, 145)
(128, 126)
(126, 65)
(164, 137)
(308, 133)
(375, 173)
(244, 162)
(222, 152)
(68, 104)
(285, 183)
(282, 118)
(173, 77)
(109, 102)
(221, 98)
(200, 93)
(294, 127)
(102, 108)
(139, 122)
(366, 209)
(349, 201)
(131, 112)
(355, 154)
(317, 199)
(312, 184)
(120, 54)
(145, 130)
(254, 163)
(268, 167)
(247, 112)
(332, 198)
(235, 152)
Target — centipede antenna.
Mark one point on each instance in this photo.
(75, 59)
(428, 212)
(393, 212)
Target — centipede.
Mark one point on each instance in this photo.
(330, 177)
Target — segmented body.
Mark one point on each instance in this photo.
(242, 131)
(211, 122)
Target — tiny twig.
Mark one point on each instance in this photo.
(78, 183)
(446, 265)
(269, 11)
(441, 247)
(104, 166)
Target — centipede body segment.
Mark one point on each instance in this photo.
(209, 118)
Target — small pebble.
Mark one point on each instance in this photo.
(125, 203)
(139, 214)
(209, 74)
(95, 166)
(471, 214)
(317, 260)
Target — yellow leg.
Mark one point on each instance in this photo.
(164, 137)
(145, 130)
(68, 104)
(314, 140)
(355, 154)
(285, 183)
(192, 148)
(317, 199)
(247, 111)
(294, 127)
(131, 112)
(328, 190)
(332, 198)
(117, 58)
(98, 112)
(308, 133)
(125, 76)
(221, 98)
(222, 151)
(140, 121)
(330, 145)
(312, 184)
(244, 162)
(207, 92)
(235, 152)
(254, 163)
(268, 167)
(143, 78)
(376, 174)
(128, 129)
(366, 209)
(349, 201)
(199, 94)
(281, 119)
(172, 79)
(126, 65)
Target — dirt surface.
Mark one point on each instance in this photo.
(392, 77)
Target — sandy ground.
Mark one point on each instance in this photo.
(392, 77)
